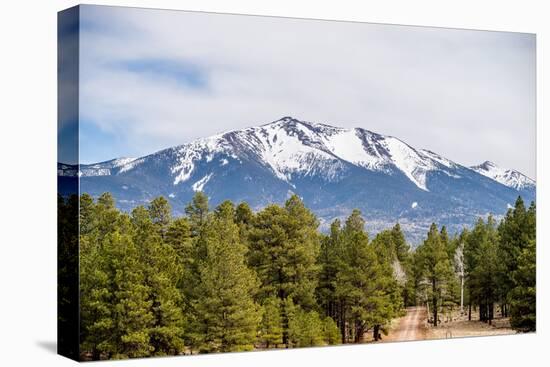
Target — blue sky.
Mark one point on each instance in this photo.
(151, 79)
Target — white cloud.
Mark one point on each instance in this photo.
(468, 95)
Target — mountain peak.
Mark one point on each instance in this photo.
(287, 119)
(507, 177)
(290, 121)
(488, 164)
(283, 120)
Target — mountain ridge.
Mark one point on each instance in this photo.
(331, 168)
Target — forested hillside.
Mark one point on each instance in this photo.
(229, 279)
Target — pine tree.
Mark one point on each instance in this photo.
(166, 336)
(413, 292)
(512, 240)
(160, 213)
(331, 332)
(523, 297)
(226, 316)
(192, 255)
(305, 328)
(385, 301)
(178, 235)
(483, 276)
(197, 211)
(86, 214)
(401, 246)
(96, 310)
(132, 308)
(303, 250)
(271, 329)
(100, 222)
(328, 270)
(115, 309)
(106, 215)
(447, 242)
(162, 272)
(437, 269)
(355, 279)
(243, 218)
(243, 214)
(283, 250)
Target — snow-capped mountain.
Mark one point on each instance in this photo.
(114, 166)
(508, 177)
(333, 169)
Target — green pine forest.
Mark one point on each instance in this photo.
(229, 279)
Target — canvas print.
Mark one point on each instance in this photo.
(234, 183)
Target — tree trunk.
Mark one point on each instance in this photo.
(376, 332)
(285, 327)
(470, 311)
(434, 302)
(481, 312)
(343, 323)
(96, 355)
(359, 331)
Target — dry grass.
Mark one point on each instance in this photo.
(456, 325)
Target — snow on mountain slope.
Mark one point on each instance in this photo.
(187, 154)
(106, 168)
(199, 185)
(291, 148)
(349, 146)
(507, 177)
(288, 148)
(409, 161)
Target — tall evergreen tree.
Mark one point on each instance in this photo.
(115, 306)
(160, 212)
(283, 250)
(483, 276)
(521, 249)
(386, 299)
(437, 269)
(226, 316)
(178, 235)
(523, 297)
(354, 285)
(328, 270)
(192, 255)
(197, 211)
(401, 246)
(131, 305)
(513, 237)
(86, 214)
(162, 273)
(243, 214)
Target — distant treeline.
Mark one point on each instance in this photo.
(228, 279)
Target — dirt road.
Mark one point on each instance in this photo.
(410, 327)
